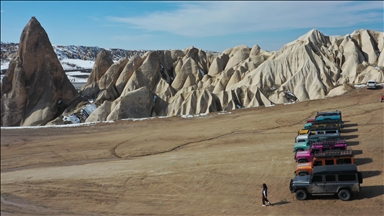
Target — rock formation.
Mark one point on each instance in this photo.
(191, 81)
(35, 88)
(102, 63)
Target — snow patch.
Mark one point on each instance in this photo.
(56, 126)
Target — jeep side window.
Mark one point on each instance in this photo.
(317, 163)
(340, 161)
(347, 160)
(344, 161)
(317, 178)
(347, 177)
(325, 149)
(329, 162)
(330, 178)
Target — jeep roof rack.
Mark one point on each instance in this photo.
(323, 127)
(328, 121)
(333, 153)
(327, 113)
(320, 137)
(328, 142)
(325, 140)
(340, 168)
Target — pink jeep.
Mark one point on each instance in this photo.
(317, 147)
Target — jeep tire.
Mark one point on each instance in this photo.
(301, 195)
(344, 194)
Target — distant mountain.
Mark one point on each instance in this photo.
(8, 50)
(137, 84)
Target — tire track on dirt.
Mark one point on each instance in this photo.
(169, 150)
(113, 149)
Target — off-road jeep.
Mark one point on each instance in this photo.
(318, 147)
(328, 180)
(330, 157)
(323, 135)
(325, 124)
(302, 142)
(329, 113)
(303, 131)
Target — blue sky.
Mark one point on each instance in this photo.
(215, 25)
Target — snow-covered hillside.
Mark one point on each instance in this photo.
(77, 70)
(77, 61)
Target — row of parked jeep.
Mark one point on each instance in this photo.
(325, 166)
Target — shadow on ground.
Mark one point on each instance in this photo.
(361, 161)
(357, 152)
(350, 137)
(350, 125)
(349, 130)
(367, 174)
(370, 191)
(353, 143)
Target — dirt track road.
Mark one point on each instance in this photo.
(210, 165)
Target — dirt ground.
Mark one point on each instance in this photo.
(207, 165)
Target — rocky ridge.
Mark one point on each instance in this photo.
(192, 81)
(8, 51)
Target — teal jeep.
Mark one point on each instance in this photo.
(303, 143)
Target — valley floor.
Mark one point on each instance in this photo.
(208, 165)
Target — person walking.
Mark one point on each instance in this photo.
(265, 194)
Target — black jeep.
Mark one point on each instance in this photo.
(342, 179)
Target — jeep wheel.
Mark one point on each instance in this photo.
(301, 195)
(344, 194)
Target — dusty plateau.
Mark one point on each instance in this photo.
(206, 165)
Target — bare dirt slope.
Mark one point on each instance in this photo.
(210, 165)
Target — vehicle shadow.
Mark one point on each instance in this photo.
(353, 143)
(367, 174)
(350, 137)
(357, 152)
(370, 191)
(350, 125)
(349, 130)
(323, 197)
(361, 161)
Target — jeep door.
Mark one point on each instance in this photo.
(317, 185)
(330, 183)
